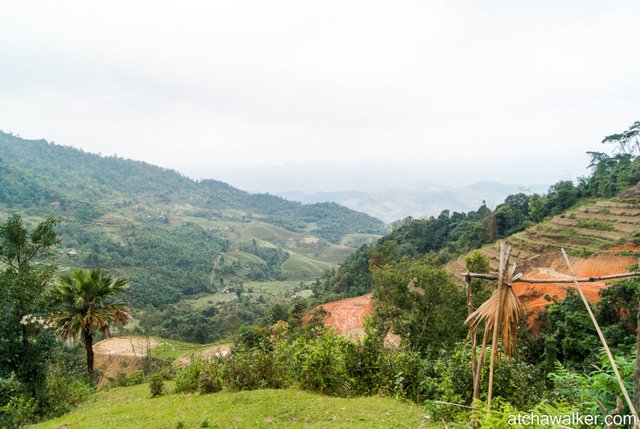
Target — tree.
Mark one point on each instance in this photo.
(86, 303)
(627, 141)
(24, 340)
(421, 303)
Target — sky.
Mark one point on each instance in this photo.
(326, 95)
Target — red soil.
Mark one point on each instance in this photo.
(347, 315)
(533, 295)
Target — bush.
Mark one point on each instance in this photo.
(253, 368)
(16, 409)
(16, 413)
(320, 364)
(124, 380)
(156, 385)
(405, 375)
(63, 392)
(210, 378)
(187, 377)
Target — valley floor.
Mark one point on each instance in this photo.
(131, 407)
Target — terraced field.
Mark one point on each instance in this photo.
(604, 227)
(269, 289)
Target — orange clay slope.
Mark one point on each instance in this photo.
(603, 238)
(537, 296)
(346, 316)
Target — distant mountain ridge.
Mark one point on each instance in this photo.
(417, 200)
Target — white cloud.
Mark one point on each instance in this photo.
(202, 85)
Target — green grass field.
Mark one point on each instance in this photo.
(300, 267)
(131, 407)
(268, 288)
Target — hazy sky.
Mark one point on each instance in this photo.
(326, 95)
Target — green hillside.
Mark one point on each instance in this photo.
(173, 237)
(131, 407)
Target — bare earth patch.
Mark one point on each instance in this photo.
(125, 346)
(533, 295)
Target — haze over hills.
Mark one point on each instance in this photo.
(418, 200)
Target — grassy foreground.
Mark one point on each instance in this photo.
(131, 407)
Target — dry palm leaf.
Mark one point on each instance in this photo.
(511, 312)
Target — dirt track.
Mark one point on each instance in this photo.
(219, 351)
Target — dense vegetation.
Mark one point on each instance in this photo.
(450, 235)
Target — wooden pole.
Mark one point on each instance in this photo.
(474, 358)
(636, 370)
(504, 262)
(632, 408)
(483, 357)
(494, 276)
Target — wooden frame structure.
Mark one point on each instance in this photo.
(505, 277)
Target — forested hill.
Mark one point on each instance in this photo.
(64, 174)
(173, 236)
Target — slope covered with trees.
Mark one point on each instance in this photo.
(173, 237)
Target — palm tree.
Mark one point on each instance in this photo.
(86, 303)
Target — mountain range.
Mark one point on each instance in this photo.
(418, 200)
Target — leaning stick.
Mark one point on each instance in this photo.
(474, 358)
(493, 276)
(602, 339)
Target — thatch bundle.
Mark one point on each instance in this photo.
(507, 314)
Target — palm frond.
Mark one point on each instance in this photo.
(85, 301)
(509, 315)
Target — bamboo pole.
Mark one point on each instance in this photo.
(494, 276)
(474, 358)
(602, 340)
(483, 357)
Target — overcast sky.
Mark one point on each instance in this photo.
(326, 95)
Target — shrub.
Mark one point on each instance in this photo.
(588, 393)
(210, 378)
(63, 392)
(124, 380)
(187, 377)
(253, 368)
(17, 412)
(319, 364)
(16, 409)
(156, 385)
